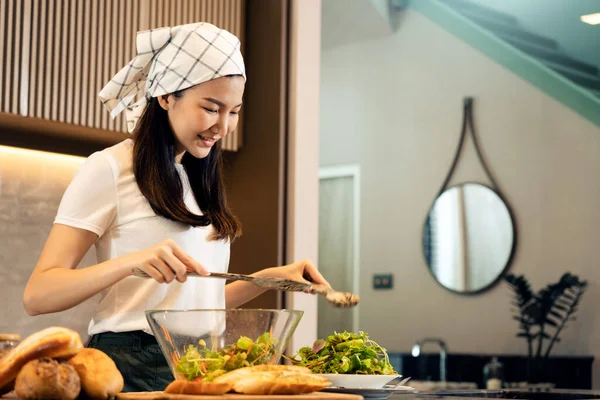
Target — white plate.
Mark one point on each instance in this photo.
(357, 381)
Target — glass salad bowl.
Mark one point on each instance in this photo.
(203, 344)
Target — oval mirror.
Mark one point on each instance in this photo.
(468, 238)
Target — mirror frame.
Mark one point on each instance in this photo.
(513, 249)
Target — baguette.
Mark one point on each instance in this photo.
(181, 386)
(237, 374)
(53, 342)
(279, 383)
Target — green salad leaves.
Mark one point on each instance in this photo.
(345, 353)
(200, 363)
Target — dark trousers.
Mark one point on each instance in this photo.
(138, 357)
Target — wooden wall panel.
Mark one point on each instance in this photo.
(58, 54)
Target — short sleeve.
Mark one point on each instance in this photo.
(90, 201)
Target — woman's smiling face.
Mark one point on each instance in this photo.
(203, 114)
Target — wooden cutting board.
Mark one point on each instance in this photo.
(168, 396)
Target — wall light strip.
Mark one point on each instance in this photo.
(592, 19)
(43, 155)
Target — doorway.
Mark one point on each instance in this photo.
(339, 235)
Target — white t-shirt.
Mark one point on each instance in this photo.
(104, 198)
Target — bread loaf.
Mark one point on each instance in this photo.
(100, 378)
(46, 378)
(53, 342)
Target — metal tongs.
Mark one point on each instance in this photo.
(338, 299)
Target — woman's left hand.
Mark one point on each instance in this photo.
(238, 293)
(301, 271)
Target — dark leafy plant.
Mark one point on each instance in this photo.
(544, 315)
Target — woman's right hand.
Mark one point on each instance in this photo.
(165, 262)
(57, 285)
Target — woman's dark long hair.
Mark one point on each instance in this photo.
(158, 179)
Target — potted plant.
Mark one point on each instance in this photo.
(543, 316)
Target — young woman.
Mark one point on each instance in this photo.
(155, 202)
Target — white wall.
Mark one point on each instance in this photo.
(394, 105)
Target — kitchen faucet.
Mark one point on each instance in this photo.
(416, 351)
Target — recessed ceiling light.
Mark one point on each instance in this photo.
(592, 19)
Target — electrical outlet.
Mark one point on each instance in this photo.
(383, 281)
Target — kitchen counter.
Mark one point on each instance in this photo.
(553, 394)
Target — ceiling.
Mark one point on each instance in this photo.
(348, 21)
(351, 21)
(558, 20)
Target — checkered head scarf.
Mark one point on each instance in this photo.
(171, 59)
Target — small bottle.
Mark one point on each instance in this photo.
(7, 342)
(493, 374)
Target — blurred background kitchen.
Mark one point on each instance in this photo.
(352, 120)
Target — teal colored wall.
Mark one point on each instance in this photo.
(559, 20)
